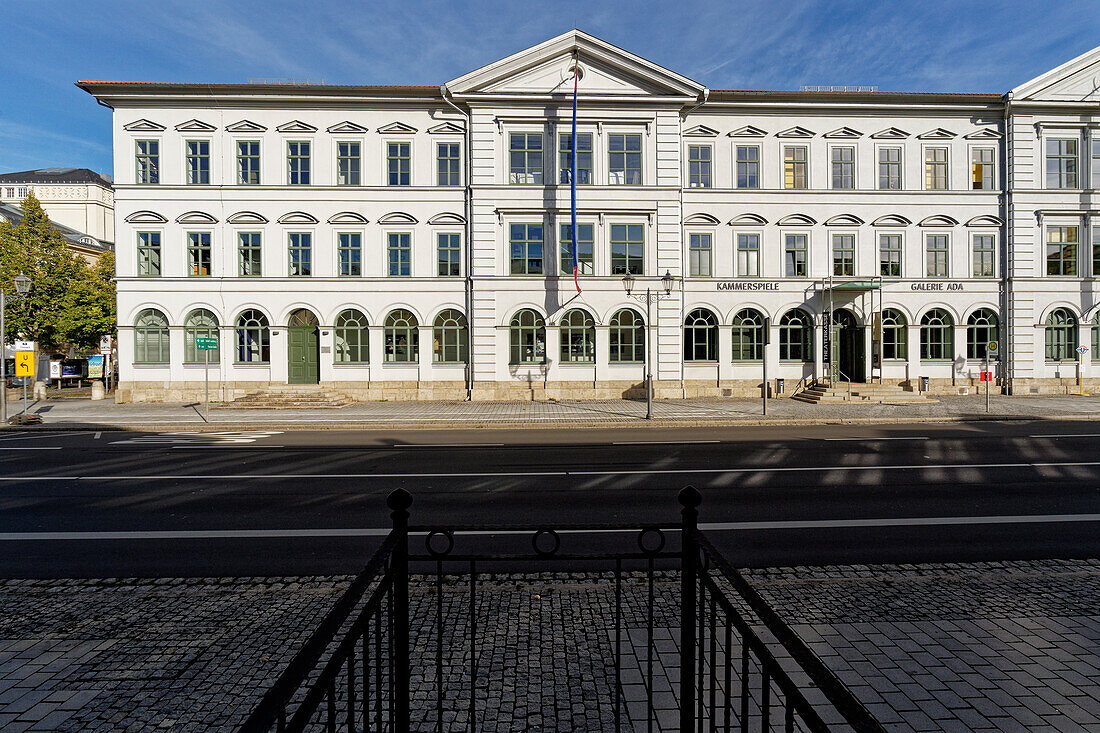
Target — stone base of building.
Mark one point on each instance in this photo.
(1088, 385)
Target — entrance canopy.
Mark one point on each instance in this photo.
(859, 286)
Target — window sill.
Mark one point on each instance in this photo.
(566, 364)
(252, 363)
(151, 364)
(346, 364)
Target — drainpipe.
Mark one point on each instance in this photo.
(1006, 253)
(468, 204)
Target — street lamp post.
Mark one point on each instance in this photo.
(649, 298)
(22, 287)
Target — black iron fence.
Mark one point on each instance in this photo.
(355, 672)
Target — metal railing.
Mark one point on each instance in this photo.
(357, 675)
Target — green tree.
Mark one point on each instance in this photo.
(90, 308)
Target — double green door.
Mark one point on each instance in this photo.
(304, 357)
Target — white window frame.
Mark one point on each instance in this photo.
(783, 165)
(160, 160)
(507, 153)
(970, 149)
(893, 145)
(286, 160)
(644, 151)
(236, 160)
(713, 238)
(855, 166)
(759, 166)
(783, 234)
(435, 162)
(924, 165)
(983, 233)
(854, 234)
(1060, 134)
(449, 230)
(336, 161)
(900, 234)
(385, 162)
(335, 259)
(924, 235)
(209, 159)
(759, 234)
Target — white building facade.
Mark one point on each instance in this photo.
(412, 242)
(78, 198)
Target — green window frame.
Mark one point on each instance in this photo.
(399, 254)
(448, 160)
(450, 338)
(399, 163)
(577, 337)
(351, 338)
(889, 255)
(1061, 251)
(148, 254)
(300, 254)
(842, 159)
(700, 336)
(525, 158)
(526, 338)
(349, 254)
(795, 167)
(895, 335)
(700, 254)
(626, 337)
(448, 248)
(889, 168)
(627, 249)
(796, 333)
(981, 327)
(526, 246)
(401, 337)
(748, 335)
(584, 158)
(748, 166)
(936, 254)
(984, 254)
(199, 254)
(249, 254)
(700, 159)
(586, 249)
(748, 255)
(795, 255)
(151, 338)
(1061, 335)
(935, 169)
(248, 162)
(844, 255)
(200, 323)
(147, 161)
(348, 163)
(624, 159)
(298, 162)
(1061, 162)
(198, 162)
(253, 338)
(937, 336)
(983, 169)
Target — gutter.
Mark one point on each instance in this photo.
(468, 204)
(1006, 249)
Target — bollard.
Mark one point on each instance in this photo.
(98, 392)
(39, 391)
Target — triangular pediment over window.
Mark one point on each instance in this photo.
(347, 126)
(606, 70)
(938, 134)
(398, 127)
(700, 131)
(986, 133)
(245, 126)
(844, 133)
(795, 131)
(447, 128)
(891, 133)
(1077, 80)
(748, 131)
(143, 126)
(195, 126)
(296, 126)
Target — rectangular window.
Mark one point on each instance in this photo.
(843, 161)
(699, 159)
(889, 255)
(297, 159)
(935, 254)
(844, 254)
(1095, 255)
(148, 161)
(248, 254)
(699, 255)
(198, 254)
(198, 162)
(399, 254)
(794, 167)
(981, 169)
(248, 162)
(748, 255)
(584, 157)
(448, 250)
(624, 154)
(525, 158)
(627, 249)
(526, 246)
(889, 169)
(301, 254)
(349, 251)
(1061, 163)
(935, 169)
(1095, 171)
(1062, 251)
(398, 163)
(794, 255)
(983, 255)
(586, 249)
(22, 193)
(448, 172)
(347, 163)
(148, 254)
(748, 166)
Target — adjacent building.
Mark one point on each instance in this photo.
(415, 242)
(77, 198)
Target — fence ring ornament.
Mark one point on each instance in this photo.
(552, 549)
(646, 543)
(443, 551)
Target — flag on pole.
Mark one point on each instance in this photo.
(573, 178)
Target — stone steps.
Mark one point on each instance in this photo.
(879, 394)
(288, 398)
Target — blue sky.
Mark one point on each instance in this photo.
(933, 45)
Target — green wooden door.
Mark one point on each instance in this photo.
(304, 359)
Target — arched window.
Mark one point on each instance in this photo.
(626, 337)
(401, 337)
(937, 336)
(351, 342)
(199, 324)
(527, 338)
(151, 338)
(302, 318)
(578, 337)
(253, 338)
(450, 340)
(748, 335)
(796, 336)
(981, 328)
(1061, 331)
(895, 335)
(700, 336)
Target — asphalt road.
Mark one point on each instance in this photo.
(107, 504)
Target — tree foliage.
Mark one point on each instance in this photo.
(69, 302)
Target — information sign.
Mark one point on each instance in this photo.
(206, 344)
(992, 347)
(105, 345)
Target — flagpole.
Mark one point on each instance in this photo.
(573, 178)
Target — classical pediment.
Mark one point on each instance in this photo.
(447, 128)
(701, 218)
(748, 131)
(1077, 80)
(143, 126)
(938, 134)
(196, 217)
(346, 127)
(795, 131)
(843, 220)
(985, 220)
(397, 217)
(195, 126)
(844, 133)
(938, 220)
(548, 69)
(347, 217)
(700, 131)
(245, 126)
(398, 127)
(296, 126)
(890, 133)
(748, 220)
(891, 220)
(297, 217)
(146, 217)
(246, 217)
(447, 218)
(800, 220)
(986, 133)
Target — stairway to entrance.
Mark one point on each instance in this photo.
(880, 394)
(289, 396)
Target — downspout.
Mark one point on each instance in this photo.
(683, 246)
(1006, 256)
(469, 210)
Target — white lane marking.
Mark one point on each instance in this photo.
(24, 447)
(491, 474)
(1068, 435)
(664, 442)
(98, 435)
(226, 437)
(444, 445)
(228, 447)
(875, 440)
(41, 436)
(706, 526)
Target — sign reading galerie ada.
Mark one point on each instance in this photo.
(937, 287)
(749, 285)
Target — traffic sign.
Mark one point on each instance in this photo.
(105, 345)
(986, 377)
(992, 347)
(24, 363)
(1082, 349)
(24, 346)
(206, 344)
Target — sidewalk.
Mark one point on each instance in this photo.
(82, 413)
